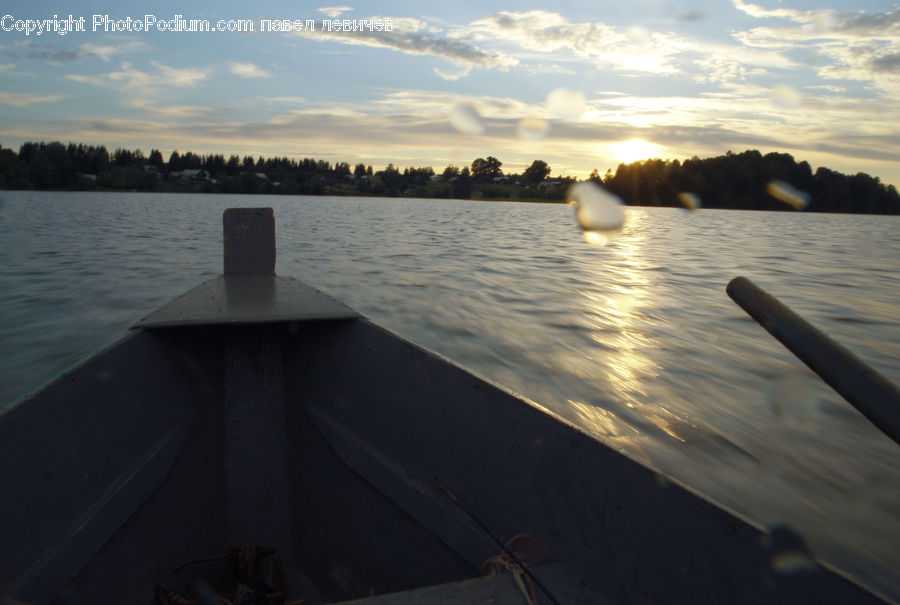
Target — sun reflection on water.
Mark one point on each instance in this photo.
(615, 314)
(613, 306)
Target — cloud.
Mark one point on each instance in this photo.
(52, 54)
(247, 70)
(107, 51)
(123, 127)
(868, 25)
(334, 11)
(439, 105)
(180, 77)
(759, 12)
(530, 40)
(633, 51)
(22, 99)
(132, 79)
(847, 45)
(43, 52)
(628, 49)
(411, 36)
(295, 100)
(887, 63)
(175, 112)
(299, 115)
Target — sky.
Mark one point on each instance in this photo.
(579, 84)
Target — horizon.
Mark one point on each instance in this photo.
(583, 86)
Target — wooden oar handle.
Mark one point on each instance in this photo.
(864, 388)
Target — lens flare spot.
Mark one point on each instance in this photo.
(691, 201)
(532, 129)
(566, 104)
(785, 96)
(465, 119)
(783, 192)
(600, 214)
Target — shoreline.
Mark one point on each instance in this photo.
(344, 194)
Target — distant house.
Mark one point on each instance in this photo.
(191, 174)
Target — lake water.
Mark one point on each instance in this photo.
(635, 341)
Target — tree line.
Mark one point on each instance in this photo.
(738, 181)
(41, 165)
(742, 180)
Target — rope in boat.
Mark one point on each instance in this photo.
(506, 552)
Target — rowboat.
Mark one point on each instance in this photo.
(257, 441)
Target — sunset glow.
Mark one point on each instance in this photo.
(633, 150)
(581, 86)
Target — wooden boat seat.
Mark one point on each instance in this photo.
(499, 589)
(242, 299)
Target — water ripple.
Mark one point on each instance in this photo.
(636, 341)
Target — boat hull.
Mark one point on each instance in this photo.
(377, 467)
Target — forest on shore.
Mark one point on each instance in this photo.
(747, 180)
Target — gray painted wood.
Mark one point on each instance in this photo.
(82, 458)
(89, 532)
(499, 589)
(256, 437)
(421, 500)
(249, 241)
(248, 299)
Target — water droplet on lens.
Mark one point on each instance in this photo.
(784, 192)
(465, 119)
(599, 213)
(785, 96)
(638, 34)
(566, 104)
(866, 247)
(793, 398)
(823, 21)
(691, 201)
(533, 129)
(661, 480)
(787, 551)
(792, 561)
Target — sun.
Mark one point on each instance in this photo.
(633, 150)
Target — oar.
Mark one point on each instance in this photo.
(867, 390)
